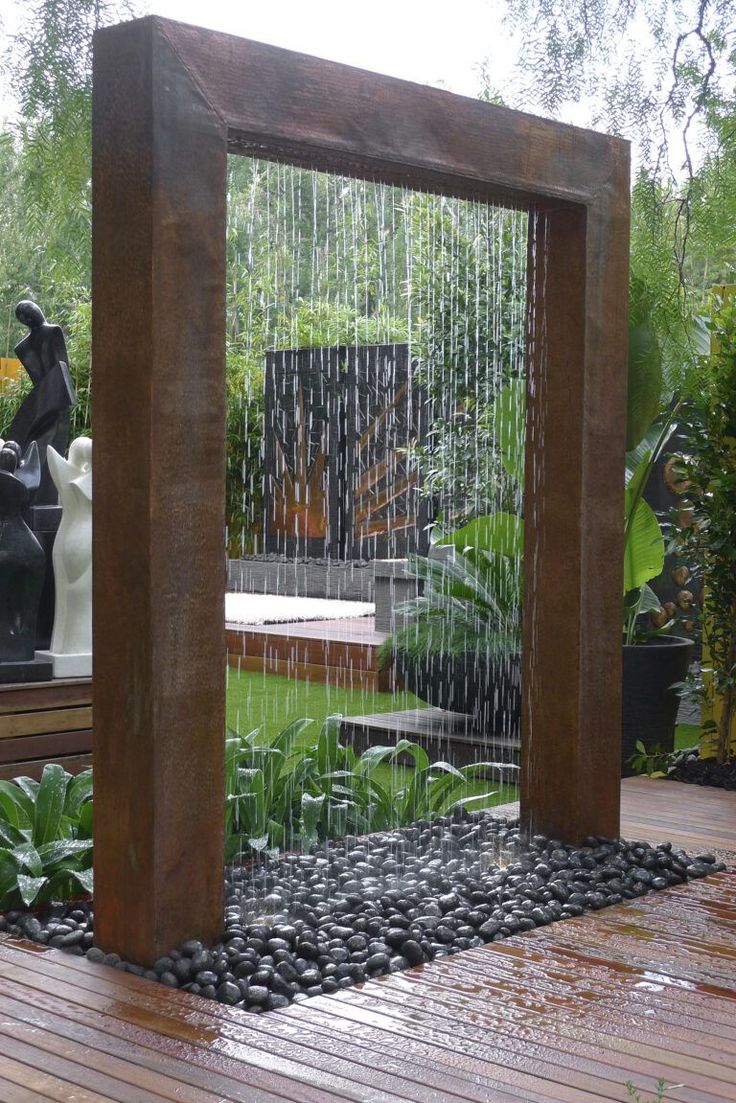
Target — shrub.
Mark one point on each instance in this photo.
(45, 837)
(294, 795)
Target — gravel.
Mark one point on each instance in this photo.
(688, 766)
(309, 924)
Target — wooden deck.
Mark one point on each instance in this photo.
(565, 1014)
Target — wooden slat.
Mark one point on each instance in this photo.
(33, 767)
(39, 723)
(48, 746)
(29, 697)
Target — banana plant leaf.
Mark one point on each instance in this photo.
(644, 547)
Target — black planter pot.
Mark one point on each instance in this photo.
(649, 703)
(489, 691)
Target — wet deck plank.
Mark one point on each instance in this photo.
(565, 1014)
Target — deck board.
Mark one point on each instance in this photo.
(563, 1014)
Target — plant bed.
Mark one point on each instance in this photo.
(687, 765)
(306, 924)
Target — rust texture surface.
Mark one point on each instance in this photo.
(159, 164)
(563, 1014)
(169, 102)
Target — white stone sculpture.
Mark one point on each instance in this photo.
(71, 641)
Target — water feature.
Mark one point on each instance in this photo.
(376, 377)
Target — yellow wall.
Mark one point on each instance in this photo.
(9, 369)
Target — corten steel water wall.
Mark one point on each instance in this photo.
(170, 102)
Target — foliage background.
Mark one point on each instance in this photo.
(661, 72)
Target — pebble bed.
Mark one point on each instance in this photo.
(304, 925)
(688, 766)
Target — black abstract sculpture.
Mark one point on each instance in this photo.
(44, 414)
(22, 567)
(44, 418)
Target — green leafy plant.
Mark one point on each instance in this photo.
(292, 794)
(660, 1089)
(45, 837)
(471, 599)
(707, 477)
(653, 763)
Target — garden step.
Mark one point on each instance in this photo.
(445, 735)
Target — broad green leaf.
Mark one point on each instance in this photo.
(372, 757)
(648, 600)
(644, 548)
(84, 878)
(61, 850)
(645, 382)
(311, 809)
(27, 855)
(78, 790)
(8, 871)
(259, 843)
(30, 887)
(464, 801)
(29, 787)
(15, 805)
(510, 424)
(498, 532)
(285, 740)
(9, 835)
(49, 804)
(85, 820)
(328, 743)
(251, 802)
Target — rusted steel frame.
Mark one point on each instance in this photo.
(170, 101)
(159, 208)
(573, 555)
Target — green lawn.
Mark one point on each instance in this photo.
(270, 702)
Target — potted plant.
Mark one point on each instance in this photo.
(460, 646)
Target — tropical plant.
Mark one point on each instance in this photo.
(471, 593)
(45, 837)
(292, 794)
(655, 368)
(707, 481)
(471, 600)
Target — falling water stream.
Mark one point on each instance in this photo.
(376, 382)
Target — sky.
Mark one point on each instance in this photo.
(427, 41)
(439, 42)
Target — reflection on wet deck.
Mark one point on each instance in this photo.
(564, 1014)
